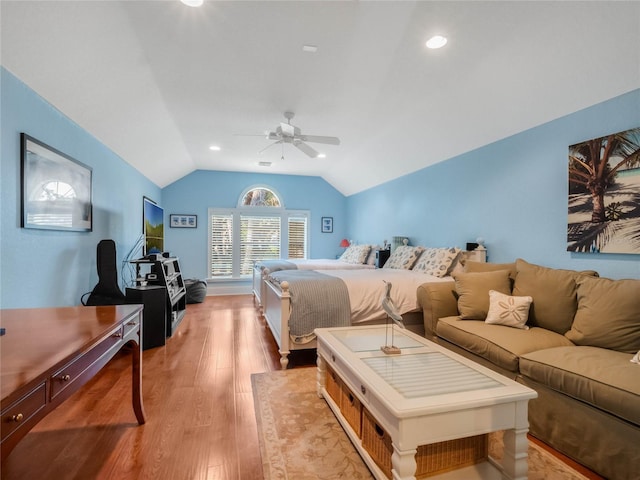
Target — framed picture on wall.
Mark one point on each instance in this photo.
(183, 221)
(56, 189)
(327, 224)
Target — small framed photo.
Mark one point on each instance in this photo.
(327, 224)
(183, 221)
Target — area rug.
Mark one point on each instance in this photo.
(301, 439)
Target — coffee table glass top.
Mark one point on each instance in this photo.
(428, 374)
(365, 339)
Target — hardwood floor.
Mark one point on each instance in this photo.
(198, 400)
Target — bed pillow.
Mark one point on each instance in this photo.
(508, 310)
(436, 261)
(355, 254)
(403, 257)
(473, 292)
(608, 314)
(371, 258)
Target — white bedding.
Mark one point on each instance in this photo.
(366, 289)
(327, 264)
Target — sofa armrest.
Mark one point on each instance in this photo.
(437, 300)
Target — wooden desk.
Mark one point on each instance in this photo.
(47, 354)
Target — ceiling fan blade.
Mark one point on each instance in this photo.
(305, 148)
(320, 139)
(269, 146)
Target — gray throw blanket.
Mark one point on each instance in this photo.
(276, 265)
(317, 301)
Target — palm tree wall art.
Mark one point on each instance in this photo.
(604, 194)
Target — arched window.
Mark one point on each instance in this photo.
(260, 197)
(260, 228)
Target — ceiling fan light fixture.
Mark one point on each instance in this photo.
(322, 155)
(193, 3)
(437, 41)
(215, 148)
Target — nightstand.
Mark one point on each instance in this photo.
(381, 257)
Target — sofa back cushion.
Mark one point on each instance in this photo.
(473, 267)
(554, 293)
(473, 292)
(608, 314)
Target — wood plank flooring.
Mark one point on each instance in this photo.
(198, 400)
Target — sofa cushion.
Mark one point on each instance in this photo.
(508, 310)
(608, 315)
(473, 292)
(553, 292)
(498, 344)
(603, 378)
(475, 267)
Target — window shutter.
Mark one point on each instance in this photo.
(221, 245)
(259, 240)
(297, 237)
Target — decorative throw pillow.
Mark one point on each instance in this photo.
(436, 261)
(355, 254)
(508, 310)
(473, 292)
(471, 266)
(403, 257)
(608, 314)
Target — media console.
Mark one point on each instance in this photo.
(164, 272)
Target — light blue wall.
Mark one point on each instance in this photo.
(43, 268)
(513, 193)
(200, 190)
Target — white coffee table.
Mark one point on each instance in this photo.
(425, 395)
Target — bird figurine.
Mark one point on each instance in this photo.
(392, 312)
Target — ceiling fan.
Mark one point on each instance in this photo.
(287, 133)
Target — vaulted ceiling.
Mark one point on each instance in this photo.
(159, 82)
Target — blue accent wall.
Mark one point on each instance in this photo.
(512, 193)
(44, 268)
(204, 189)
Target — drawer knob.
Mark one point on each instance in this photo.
(65, 378)
(363, 389)
(17, 418)
(333, 358)
(132, 323)
(117, 335)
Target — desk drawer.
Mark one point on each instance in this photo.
(19, 413)
(73, 371)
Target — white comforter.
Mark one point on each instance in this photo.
(366, 289)
(327, 264)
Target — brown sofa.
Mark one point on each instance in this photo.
(575, 350)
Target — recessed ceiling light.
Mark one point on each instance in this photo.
(215, 148)
(309, 48)
(322, 155)
(437, 41)
(264, 164)
(192, 3)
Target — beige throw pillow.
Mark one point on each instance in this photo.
(473, 292)
(355, 254)
(608, 314)
(508, 310)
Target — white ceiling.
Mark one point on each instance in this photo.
(159, 82)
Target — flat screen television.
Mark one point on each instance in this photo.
(152, 227)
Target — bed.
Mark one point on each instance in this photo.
(355, 257)
(293, 296)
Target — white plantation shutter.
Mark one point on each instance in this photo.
(221, 245)
(297, 237)
(259, 240)
(238, 237)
